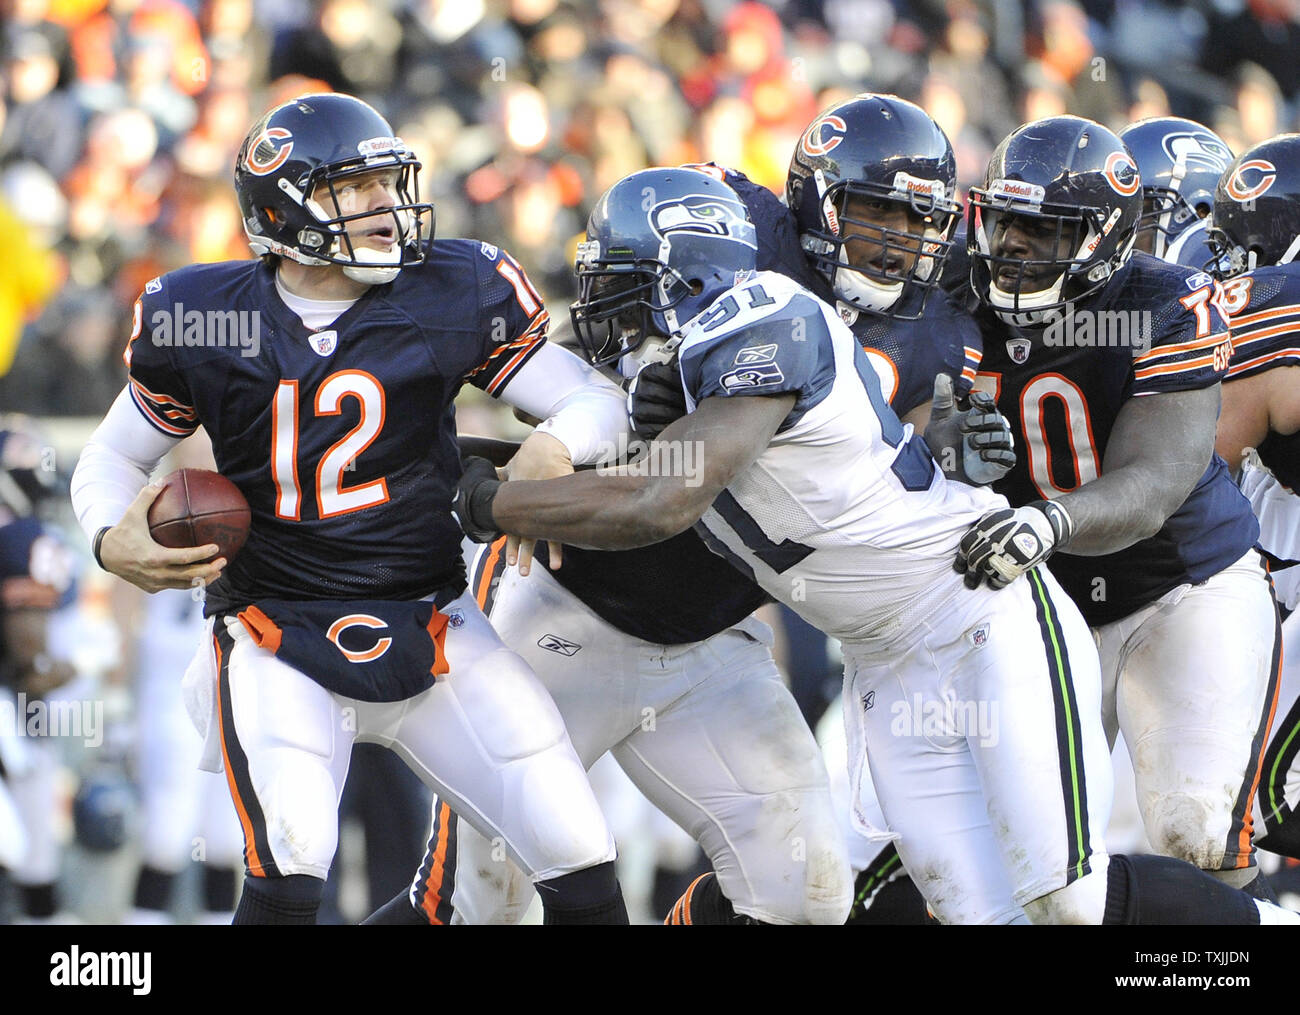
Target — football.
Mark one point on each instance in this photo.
(197, 506)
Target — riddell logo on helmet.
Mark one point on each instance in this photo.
(263, 155)
(815, 142)
(905, 184)
(1237, 187)
(1017, 189)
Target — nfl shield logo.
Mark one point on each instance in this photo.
(323, 342)
(980, 636)
(456, 619)
(848, 314)
(1018, 349)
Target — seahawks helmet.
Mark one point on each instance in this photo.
(316, 142)
(661, 245)
(1079, 182)
(1180, 163)
(1256, 217)
(881, 148)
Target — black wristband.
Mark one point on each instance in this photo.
(96, 543)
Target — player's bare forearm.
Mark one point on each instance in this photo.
(1159, 448)
(616, 509)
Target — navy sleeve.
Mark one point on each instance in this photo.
(512, 320)
(158, 388)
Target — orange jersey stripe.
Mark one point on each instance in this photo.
(1265, 315)
(1173, 368)
(1161, 351)
(1248, 819)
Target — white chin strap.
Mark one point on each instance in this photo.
(1029, 309)
(652, 350)
(857, 290)
(381, 267)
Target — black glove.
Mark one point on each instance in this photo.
(973, 445)
(1005, 544)
(474, 495)
(655, 399)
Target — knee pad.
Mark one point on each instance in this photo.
(1082, 901)
(300, 806)
(1183, 825)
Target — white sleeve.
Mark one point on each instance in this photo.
(579, 407)
(115, 465)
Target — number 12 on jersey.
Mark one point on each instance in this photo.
(332, 497)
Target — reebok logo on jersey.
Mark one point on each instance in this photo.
(756, 354)
(554, 643)
(756, 376)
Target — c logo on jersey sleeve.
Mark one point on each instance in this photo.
(264, 156)
(335, 634)
(1240, 188)
(816, 141)
(1122, 174)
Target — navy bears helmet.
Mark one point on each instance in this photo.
(1078, 181)
(1180, 163)
(315, 142)
(879, 148)
(661, 245)
(1256, 217)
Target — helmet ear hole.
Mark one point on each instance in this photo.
(696, 286)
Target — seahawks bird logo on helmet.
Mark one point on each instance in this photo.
(661, 245)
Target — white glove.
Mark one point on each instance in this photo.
(1005, 544)
(979, 431)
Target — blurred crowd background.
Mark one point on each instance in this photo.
(119, 120)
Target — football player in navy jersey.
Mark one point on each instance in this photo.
(1108, 365)
(1256, 236)
(346, 617)
(811, 484)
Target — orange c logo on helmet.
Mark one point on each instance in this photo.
(263, 156)
(1119, 168)
(359, 620)
(1237, 187)
(814, 142)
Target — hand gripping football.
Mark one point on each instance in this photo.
(197, 506)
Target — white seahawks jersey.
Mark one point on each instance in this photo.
(845, 517)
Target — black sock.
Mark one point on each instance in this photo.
(1159, 890)
(398, 911)
(704, 905)
(591, 895)
(38, 900)
(1259, 888)
(288, 900)
(219, 888)
(153, 889)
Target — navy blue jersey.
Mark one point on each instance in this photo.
(343, 440)
(1264, 308)
(1062, 401)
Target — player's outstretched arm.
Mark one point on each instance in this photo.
(613, 510)
(1159, 448)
